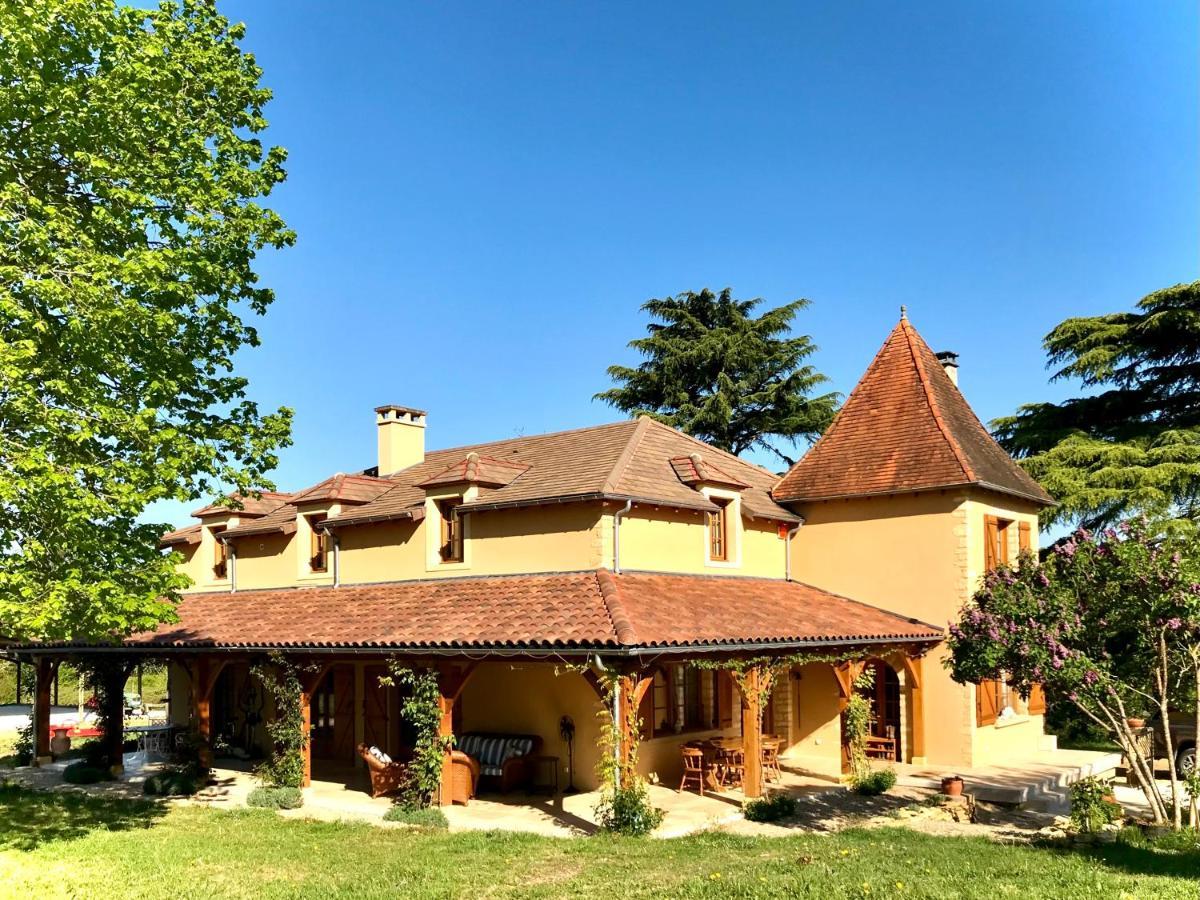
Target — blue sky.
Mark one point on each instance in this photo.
(485, 193)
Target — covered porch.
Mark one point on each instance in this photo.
(537, 660)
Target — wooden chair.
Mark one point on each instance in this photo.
(770, 761)
(730, 767)
(693, 769)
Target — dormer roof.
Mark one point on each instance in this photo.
(486, 471)
(342, 488)
(249, 506)
(694, 470)
(905, 427)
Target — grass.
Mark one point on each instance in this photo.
(54, 845)
(421, 818)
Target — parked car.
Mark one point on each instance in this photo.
(1183, 741)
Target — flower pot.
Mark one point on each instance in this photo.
(1135, 723)
(952, 786)
(60, 743)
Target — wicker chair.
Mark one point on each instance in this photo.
(464, 778)
(386, 778)
(504, 760)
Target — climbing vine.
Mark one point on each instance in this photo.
(285, 766)
(421, 708)
(624, 806)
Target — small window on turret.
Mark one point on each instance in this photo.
(451, 547)
(319, 555)
(220, 553)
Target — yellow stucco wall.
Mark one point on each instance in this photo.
(814, 739)
(531, 698)
(919, 555)
(266, 560)
(663, 540)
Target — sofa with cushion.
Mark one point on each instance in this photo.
(504, 759)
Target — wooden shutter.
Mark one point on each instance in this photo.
(724, 699)
(1037, 700)
(1023, 534)
(319, 545)
(987, 701)
(991, 540)
(375, 710)
(646, 713)
(343, 713)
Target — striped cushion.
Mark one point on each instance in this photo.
(493, 751)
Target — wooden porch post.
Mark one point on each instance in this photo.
(913, 671)
(752, 731)
(46, 670)
(846, 674)
(631, 689)
(451, 681)
(204, 679)
(309, 681)
(112, 694)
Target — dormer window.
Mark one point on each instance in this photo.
(220, 553)
(450, 548)
(318, 545)
(718, 530)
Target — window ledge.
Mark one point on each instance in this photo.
(1011, 720)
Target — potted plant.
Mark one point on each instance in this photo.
(952, 785)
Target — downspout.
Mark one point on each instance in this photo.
(617, 536)
(337, 559)
(232, 566)
(598, 664)
(787, 550)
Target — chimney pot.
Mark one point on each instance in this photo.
(949, 361)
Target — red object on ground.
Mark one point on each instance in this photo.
(77, 731)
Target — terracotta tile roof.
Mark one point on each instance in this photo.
(592, 609)
(905, 427)
(280, 520)
(250, 506)
(475, 469)
(341, 488)
(189, 535)
(630, 459)
(694, 469)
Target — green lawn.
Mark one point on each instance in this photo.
(55, 845)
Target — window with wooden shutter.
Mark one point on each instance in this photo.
(646, 711)
(995, 547)
(451, 547)
(1023, 537)
(220, 553)
(318, 557)
(724, 699)
(988, 701)
(1037, 700)
(718, 531)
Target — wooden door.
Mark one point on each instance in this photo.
(323, 706)
(375, 709)
(343, 713)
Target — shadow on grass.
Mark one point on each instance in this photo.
(1145, 860)
(29, 819)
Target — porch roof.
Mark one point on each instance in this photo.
(594, 610)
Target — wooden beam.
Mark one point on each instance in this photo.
(451, 681)
(202, 684)
(631, 688)
(912, 672)
(752, 731)
(46, 671)
(306, 692)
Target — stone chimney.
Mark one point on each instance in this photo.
(949, 361)
(401, 437)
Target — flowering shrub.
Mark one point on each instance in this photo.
(1105, 622)
(1092, 804)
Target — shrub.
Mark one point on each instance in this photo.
(1186, 840)
(1092, 805)
(770, 809)
(23, 748)
(627, 810)
(172, 783)
(84, 772)
(879, 781)
(276, 798)
(428, 817)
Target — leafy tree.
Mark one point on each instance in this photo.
(715, 371)
(1131, 445)
(131, 175)
(1109, 622)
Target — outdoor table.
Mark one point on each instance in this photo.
(545, 773)
(152, 740)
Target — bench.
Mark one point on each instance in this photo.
(504, 759)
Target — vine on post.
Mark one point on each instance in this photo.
(421, 708)
(285, 766)
(624, 806)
